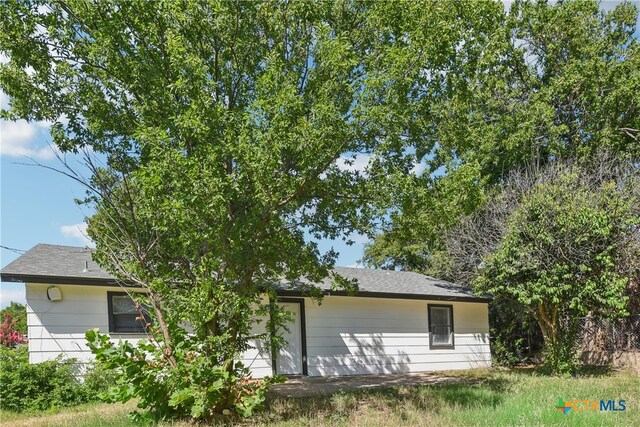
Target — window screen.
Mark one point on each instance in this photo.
(124, 316)
(441, 326)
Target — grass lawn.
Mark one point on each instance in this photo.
(499, 397)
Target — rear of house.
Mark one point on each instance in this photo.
(398, 322)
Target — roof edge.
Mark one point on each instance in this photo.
(61, 280)
(389, 295)
(80, 281)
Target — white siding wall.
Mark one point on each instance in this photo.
(353, 335)
(58, 328)
(258, 358)
(345, 335)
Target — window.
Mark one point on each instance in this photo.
(124, 316)
(440, 326)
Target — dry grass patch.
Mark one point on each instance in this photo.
(96, 414)
(496, 397)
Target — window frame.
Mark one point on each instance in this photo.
(433, 346)
(111, 315)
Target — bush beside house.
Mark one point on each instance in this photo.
(13, 329)
(53, 384)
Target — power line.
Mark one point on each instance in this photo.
(18, 251)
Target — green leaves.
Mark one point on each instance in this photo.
(569, 249)
(45, 386)
(196, 387)
(178, 397)
(522, 87)
(215, 132)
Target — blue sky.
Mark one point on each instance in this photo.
(37, 205)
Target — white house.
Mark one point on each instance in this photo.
(398, 322)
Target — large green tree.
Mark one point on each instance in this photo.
(218, 135)
(541, 81)
(212, 131)
(561, 243)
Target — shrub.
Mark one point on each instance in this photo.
(515, 335)
(10, 336)
(567, 246)
(41, 386)
(194, 388)
(19, 314)
(98, 379)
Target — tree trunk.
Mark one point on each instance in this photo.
(163, 328)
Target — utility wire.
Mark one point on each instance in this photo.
(18, 251)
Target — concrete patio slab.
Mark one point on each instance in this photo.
(309, 386)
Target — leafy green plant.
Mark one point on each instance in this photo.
(515, 335)
(569, 247)
(195, 387)
(97, 379)
(9, 335)
(531, 83)
(39, 386)
(18, 313)
(217, 137)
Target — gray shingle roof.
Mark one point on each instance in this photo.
(66, 264)
(47, 261)
(401, 282)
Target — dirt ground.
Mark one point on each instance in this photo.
(307, 386)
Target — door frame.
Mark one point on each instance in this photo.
(303, 336)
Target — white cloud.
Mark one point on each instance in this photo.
(78, 232)
(348, 163)
(418, 168)
(18, 139)
(358, 238)
(362, 161)
(9, 294)
(4, 98)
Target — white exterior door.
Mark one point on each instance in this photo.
(289, 361)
